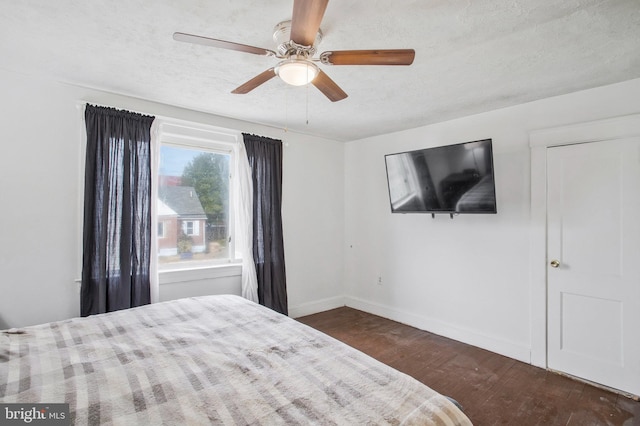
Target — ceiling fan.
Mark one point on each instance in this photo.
(297, 40)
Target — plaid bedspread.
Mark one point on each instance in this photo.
(208, 360)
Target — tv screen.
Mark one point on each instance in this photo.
(447, 179)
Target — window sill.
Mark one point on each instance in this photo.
(203, 273)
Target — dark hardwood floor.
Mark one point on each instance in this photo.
(493, 389)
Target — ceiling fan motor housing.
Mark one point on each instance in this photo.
(287, 47)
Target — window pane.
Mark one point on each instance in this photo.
(193, 207)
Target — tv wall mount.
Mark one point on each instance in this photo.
(433, 215)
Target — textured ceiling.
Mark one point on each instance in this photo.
(471, 56)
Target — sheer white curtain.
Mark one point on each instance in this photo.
(155, 165)
(244, 224)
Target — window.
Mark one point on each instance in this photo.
(195, 198)
(191, 228)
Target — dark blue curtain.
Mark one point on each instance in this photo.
(265, 160)
(117, 211)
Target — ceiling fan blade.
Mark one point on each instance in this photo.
(256, 81)
(222, 44)
(327, 86)
(305, 22)
(369, 57)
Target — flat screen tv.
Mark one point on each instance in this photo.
(449, 179)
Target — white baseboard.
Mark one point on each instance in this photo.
(503, 347)
(316, 306)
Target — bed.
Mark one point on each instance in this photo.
(208, 360)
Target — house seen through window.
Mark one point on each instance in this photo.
(193, 210)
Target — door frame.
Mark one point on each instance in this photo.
(539, 142)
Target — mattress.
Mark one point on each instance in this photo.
(208, 360)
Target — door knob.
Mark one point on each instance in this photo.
(555, 263)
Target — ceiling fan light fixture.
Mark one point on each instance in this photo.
(296, 72)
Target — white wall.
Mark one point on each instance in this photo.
(466, 278)
(313, 220)
(40, 192)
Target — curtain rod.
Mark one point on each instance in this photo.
(159, 117)
(80, 104)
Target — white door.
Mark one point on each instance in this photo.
(593, 262)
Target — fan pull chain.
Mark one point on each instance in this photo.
(286, 110)
(307, 112)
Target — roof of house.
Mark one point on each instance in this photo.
(183, 200)
(164, 210)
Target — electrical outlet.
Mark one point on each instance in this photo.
(379, 280)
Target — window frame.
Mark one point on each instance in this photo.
(188, 135)
(186, 224)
